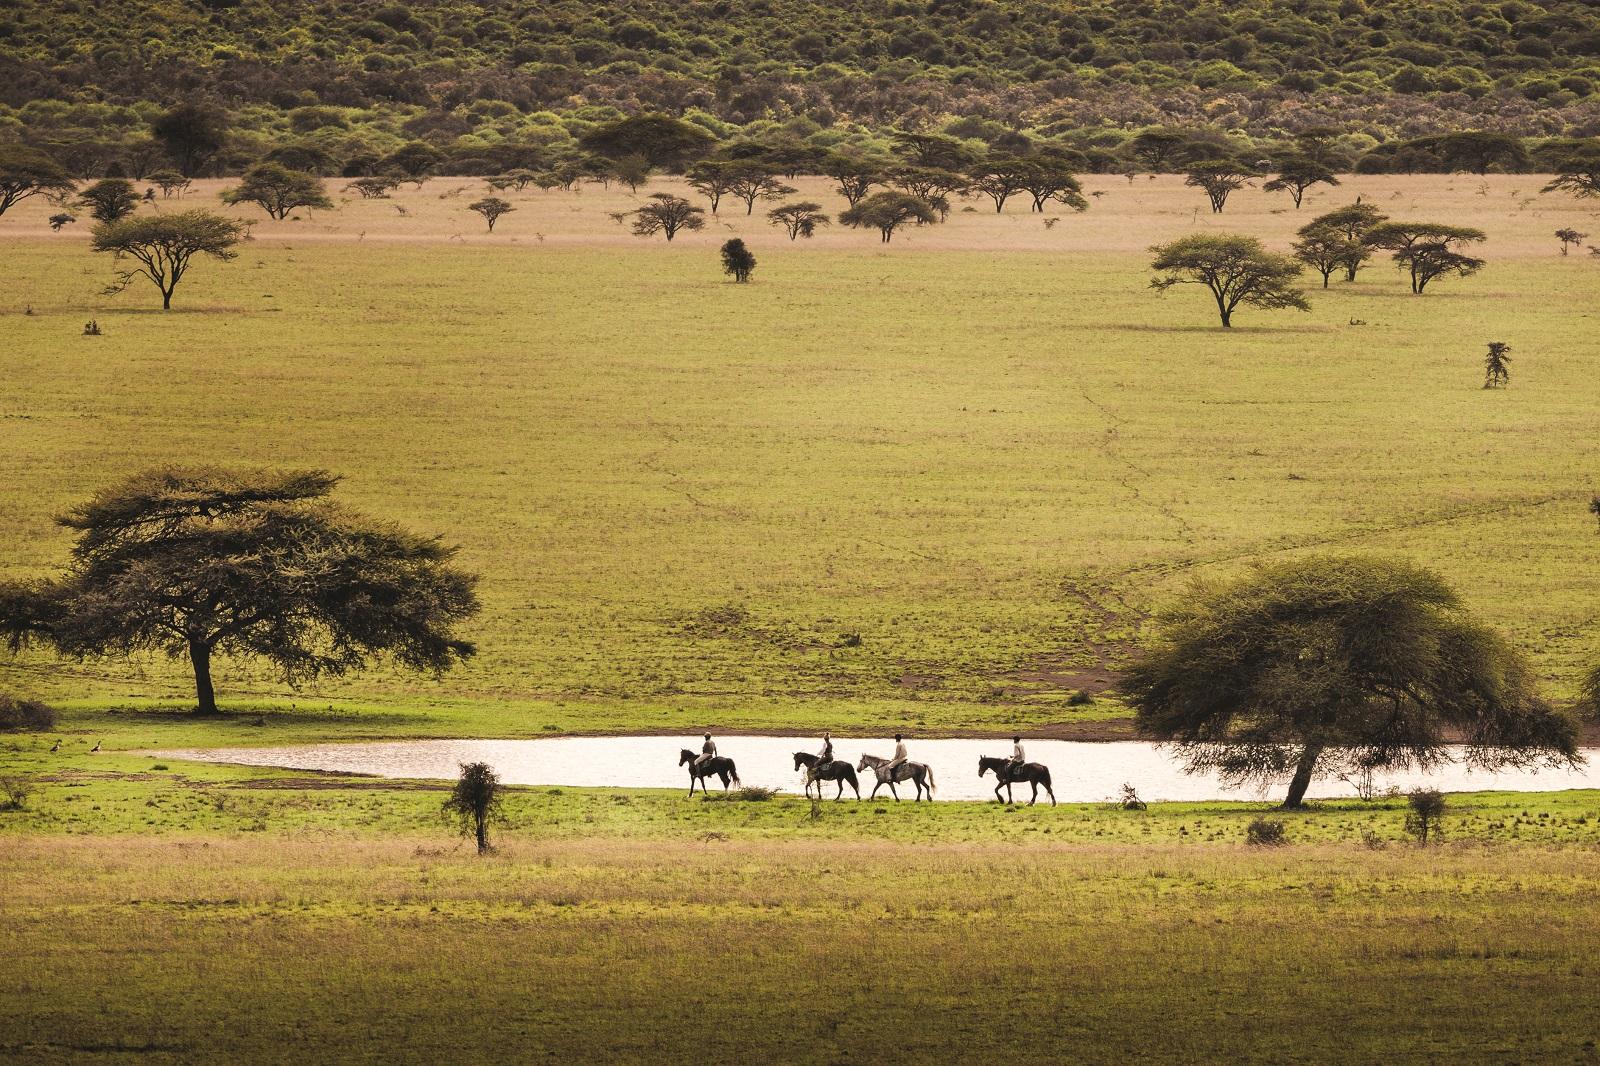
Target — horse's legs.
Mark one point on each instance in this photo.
(1052, 792)
(1035, 798)
(838, 794)
(875, 789)
(997, 797)
(691, 784)
(894, 791)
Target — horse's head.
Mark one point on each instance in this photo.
(983, 765)
(862, 765)
(800, 759)
(685, 755)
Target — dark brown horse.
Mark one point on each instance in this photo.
(716, 766)
(1006, 775)
(837, 771)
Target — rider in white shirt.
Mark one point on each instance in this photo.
(825, 756)
(1017, 757)
(708, 751)
(900, 756)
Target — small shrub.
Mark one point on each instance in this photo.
(1079, 698)
(15, 791)
(748, 794)
(1265, 833)
(1130, 800)
(1372, 841)
(1426, 819)
(91, 328)
(27, 716)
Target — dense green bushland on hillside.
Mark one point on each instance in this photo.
(366, 77)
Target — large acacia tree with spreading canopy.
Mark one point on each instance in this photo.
(197, 562)
(1332, 664)
(1236, 269)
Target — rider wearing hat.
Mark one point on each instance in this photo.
(708, 751)
(900, 756)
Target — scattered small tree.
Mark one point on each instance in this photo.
(196, 562)
(1236, 269)
(800, 220)
(475, 802)
(1355, 221)
(1325, 250)
(752, 183)
(1428, 250)
(110, 199)
(1333, 664)
(1425, 818)
(377, 187)
(25, 172)
(491, 208)
(712, 178)
(1219, 178)
(277, 190)
(1296, 175)
(170, 182)
(1578, 174)
(737, 260)
(887, 211)
(855, 175)
(165, 245)
(632, 170)
(1569, 237)
(1497, 366)
(192, 133)
(1000, 179)
(667, 214)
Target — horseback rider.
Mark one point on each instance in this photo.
(900, 756)
(825, 756)
(708, 751)
(1018, 759)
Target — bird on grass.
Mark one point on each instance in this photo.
(95, 748)
(55, 747)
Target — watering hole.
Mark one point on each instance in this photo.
(1080, 771)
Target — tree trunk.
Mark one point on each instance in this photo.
(205, 695)
(483, 834)
(166, 299)
(1302, 777)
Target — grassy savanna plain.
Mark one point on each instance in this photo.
(987, 449)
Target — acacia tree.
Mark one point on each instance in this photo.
(110, 199)
(661, 140)
(1325, 249)
(1428, 250)
(1296, 175)
(278, 190)
(887, 211)
(196, 562)
(1337, 664)
(929, 183)
(1219, 178)
(474, 802)
(1236, 269)
(632, 170)
(753, 182)
(855, 175)
(1569, 236)
(191, 133)
(1355, 221)
(1000, 179)
(165, 245)
(1045, 179)
(25, 172)
(377, 187)
(737, 261)
(667, 214)
(491, 208)
(799, 219)
(170, 182)
(712, 178)
(1578, 174)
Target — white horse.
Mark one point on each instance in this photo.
(920, 773)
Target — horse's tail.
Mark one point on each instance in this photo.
(1045, 781)
(733, 772)
(930, 780)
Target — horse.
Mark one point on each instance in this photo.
(717, 765)
(838, 771)
(1033, 773)
(918, 772)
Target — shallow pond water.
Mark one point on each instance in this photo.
(1081, 772)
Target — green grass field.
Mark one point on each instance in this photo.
(986, 448)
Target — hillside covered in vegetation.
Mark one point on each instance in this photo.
(83, 79)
